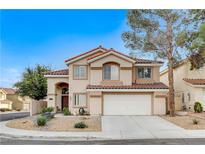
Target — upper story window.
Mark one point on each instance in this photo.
(144, 72)
(80, 72)
(111, 72)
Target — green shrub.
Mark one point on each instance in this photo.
(41, 120)
(195, 121)
(198, 107)
(66, 111)
(80, 125)
(47, 109)
(5, 109)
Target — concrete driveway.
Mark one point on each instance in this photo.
(141, 127)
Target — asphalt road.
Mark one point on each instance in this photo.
(16, 115)
(7, 141)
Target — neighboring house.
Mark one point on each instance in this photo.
(107, 82)
(189, 85)
(11, 100)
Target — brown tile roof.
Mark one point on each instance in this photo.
(9, 90)
(138, 61)
(195, 81)
(57, 72)
(157, 85)
(142, 61)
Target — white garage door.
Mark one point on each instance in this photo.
(127, 105)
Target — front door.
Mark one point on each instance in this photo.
(64, 101)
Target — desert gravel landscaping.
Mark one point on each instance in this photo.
(186, 122)
(58, 124)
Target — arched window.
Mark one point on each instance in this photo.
(110, 71)
(65, 91)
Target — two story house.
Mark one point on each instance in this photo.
(9, 99)
(107, 82)
(189, 85)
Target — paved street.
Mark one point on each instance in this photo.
(15, 115)
(6, 141)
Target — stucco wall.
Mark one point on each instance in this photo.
(96, 76)
(159, 100)
(3, 95)
(6, 104)
(125, 70)
(96, 105)
(111, 58)
(79, 86)
(37, 106)
(52, 98)
(181, 87)
(17, 104)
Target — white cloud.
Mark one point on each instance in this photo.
(9, 76)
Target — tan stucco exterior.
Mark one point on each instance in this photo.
(54, 93)
(183, 88)
(95, 77)
(14, 101)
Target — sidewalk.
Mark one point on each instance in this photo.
(104, 135)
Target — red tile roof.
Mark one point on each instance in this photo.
(157, 85)
(9, 90)
(195, 81)
(138, 61)
(57, 72)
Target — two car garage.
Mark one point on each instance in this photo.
(127, 104)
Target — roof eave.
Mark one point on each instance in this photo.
(56, 76)
(129, 90)
(195, 85)
(149, 64)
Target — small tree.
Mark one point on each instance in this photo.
(33, 82)
(156, 31)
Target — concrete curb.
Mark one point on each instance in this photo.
(57, 138)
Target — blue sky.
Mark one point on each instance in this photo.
(30, 37)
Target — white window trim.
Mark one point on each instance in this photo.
(144, 77)
(80, 78)
(74, 103)
(118, 77)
